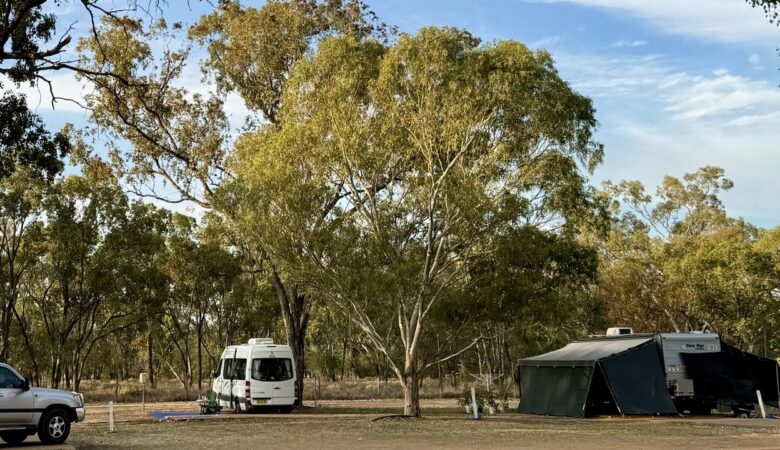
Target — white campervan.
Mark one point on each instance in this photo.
(258, 375)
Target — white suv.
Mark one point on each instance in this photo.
(25, 411)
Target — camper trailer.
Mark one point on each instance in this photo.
(256, 376)
(646, 374)
(679, 382)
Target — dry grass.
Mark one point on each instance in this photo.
(368, 389)
(97, 391)
(448, 431)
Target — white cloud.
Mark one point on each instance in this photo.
(639, 150)
(659, 118)
(63, 84)
(723, 95)
(715, 20)
(660, 86)
(547, 41)
(627, 43)
(755, 61)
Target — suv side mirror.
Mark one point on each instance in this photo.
(215, 374)
(26, 385)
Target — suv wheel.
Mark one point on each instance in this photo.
(14, 437)
(54, 427)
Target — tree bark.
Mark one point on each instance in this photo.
(200, 354)
(411, 388)
(295, 312)
(296, 339)
(31, 354)
(150, 353)
(4, 350)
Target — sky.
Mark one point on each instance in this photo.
(677, 85)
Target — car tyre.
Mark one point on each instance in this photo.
(14, 437)
(54, 427)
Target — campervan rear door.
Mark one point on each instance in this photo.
(273, 377)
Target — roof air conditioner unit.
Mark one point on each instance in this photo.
(619, 331)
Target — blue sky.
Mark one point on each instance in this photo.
(677, 84)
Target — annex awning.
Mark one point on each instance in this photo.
(597, 376)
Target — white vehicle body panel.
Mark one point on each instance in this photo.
(672, 344)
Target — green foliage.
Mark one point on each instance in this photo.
(679, 262)
(25, 142)
(484, 397)
(394, 168)
(24, 28)
(21, 235)
(175, 137)
(252, 51)
(416, 207)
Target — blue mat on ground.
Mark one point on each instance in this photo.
(163, 415)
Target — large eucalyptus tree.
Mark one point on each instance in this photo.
(396, 166)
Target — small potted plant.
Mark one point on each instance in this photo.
(484, 398)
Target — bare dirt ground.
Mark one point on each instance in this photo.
(348, 425)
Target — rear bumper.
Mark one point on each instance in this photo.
(80, 413)
(273, 401)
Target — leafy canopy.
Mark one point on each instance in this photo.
(395, 166)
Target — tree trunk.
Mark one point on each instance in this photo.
(31, 355)
(150, 353)
(411, 387)
(296, 338)
(6, 332)
(295, 312)
(75, 372)
(343, 360)
(200, 354)
(55, 373)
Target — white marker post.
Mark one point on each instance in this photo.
(143, 378)
(474, 404)
(110, 417)
(761, 404)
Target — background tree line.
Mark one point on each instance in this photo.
(399, 206)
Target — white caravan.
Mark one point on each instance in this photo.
(258, 375)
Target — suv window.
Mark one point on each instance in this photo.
(235, 369)
(9, 380)
(272, 369)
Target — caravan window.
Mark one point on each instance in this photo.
(235, 369)
(272, 369)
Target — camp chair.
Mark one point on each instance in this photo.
(209, 404)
